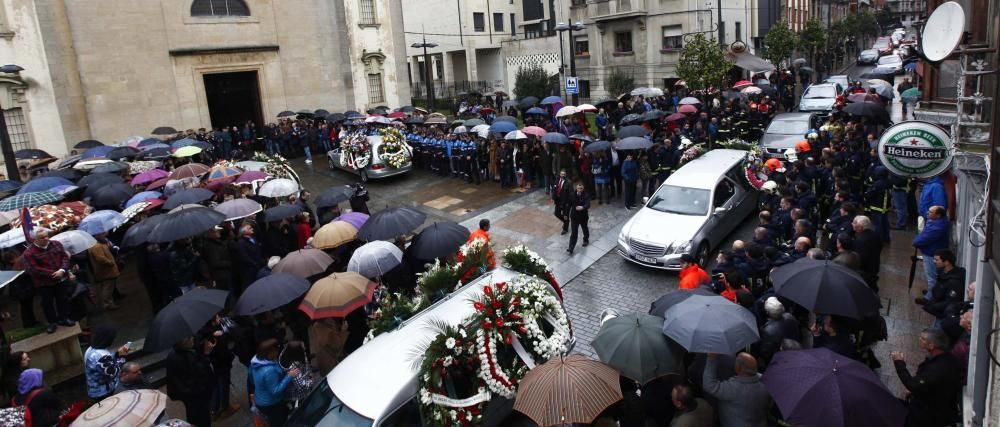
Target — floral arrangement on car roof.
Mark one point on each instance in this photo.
(277, 166)
(355, 152)
(451, 393)
(474, 258)
(394, 151)
(392, 311)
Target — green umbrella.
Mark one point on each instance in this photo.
(634, 344)
(913, 92)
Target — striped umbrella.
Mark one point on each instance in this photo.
(222, 171)
(27, 200)
(566, 390)
(339, 294)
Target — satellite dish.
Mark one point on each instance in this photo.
(943, 31)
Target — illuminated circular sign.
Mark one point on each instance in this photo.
(915, 149)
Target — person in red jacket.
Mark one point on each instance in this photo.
(692, 276)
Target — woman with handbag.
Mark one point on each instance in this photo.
(270, 382)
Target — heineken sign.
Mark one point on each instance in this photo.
(915, 149)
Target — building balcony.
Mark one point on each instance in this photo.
(608, 10)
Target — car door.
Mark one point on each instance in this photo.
(723, 197)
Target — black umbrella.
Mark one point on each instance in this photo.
(630, 119)
(111, 196)
(581, 137)
(286, 113)
(70, 174)
(185, 223)
(607, 103)
(555, 138)
(333, 196)
(164, 130)
(31, 153)
(653, 115)
(122, 153)
(439, 239)
(281, 212)
(110, 167)
(660, 306)
(155, 153)
(187, 196)
(407, 109)
(867, 109)
(335, 117)
(139, 233)
(96, 180)
(505, 119)
(527, 102)
(594, 147)
(87, 144)
(270, 292)
(633, 130)
(390, 223)
(352, 114)
(886, 74)
(413, 120)
(321, 113)
(183, 317)
(825, 287)
(634, 143)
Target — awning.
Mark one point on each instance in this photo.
(749, 62)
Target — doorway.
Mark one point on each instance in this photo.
(233, 99)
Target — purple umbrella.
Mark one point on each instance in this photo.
(675, 117)
(357, 219)
(149, 176)
(249, 177)
(818, 387)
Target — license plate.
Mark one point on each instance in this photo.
(646, 260)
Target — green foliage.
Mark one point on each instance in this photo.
(703, 63)
(619, 81)
(779, 43)
(884, 17)
(812, 39)
(865, 24)
(532, 80)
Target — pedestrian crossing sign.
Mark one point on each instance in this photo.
(571, 86)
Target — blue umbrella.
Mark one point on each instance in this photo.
(148, 141)
(28, 200)
(634, 143)
(42, 184)
(157, 144)
(911, 66)
(536, 110)
(632, 130)
(97, 152)
(63, 190)
(555, 138)
(102, 222)
(142, 197)
(188, 196)
(552, 100)
(183, 143)
(502, 127)
(9, 185)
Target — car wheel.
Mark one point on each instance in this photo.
(703, 254)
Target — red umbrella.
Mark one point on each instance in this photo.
(675, 117)
(486, 110)
(688, 109)
(534, 130)
(157, 184)
(397, 115)
(153, 204)
(742, 84)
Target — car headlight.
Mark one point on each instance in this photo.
(680, 247)
(621, 240)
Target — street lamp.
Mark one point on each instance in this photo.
(5, 144)
(572, 51)
(428, 80)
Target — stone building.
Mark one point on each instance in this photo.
(111, 69)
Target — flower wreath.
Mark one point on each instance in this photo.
(451, 392)
(751, 169)
(394, 150)
(474, 259)
(393, 310)
(523, 260)
(277, 166)
(438, 281)
(356, 153)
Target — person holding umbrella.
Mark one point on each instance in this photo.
(190, 378)
(104, 270)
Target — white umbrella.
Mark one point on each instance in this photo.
(375, 259)
(568, 110)
(75, 241)
(483, 133)
(251, 165)
(90, 164)
(690, 101)
(378, 119)
(586, 108)
(751, 90)
(239, 208)
(460, 130)
(646, 92)
(134, 210)
(879, 82)
(515, 134)
(281, 187)
(14, 237)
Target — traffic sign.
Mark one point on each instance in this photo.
(571, 86)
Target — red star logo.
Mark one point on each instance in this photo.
(914, 142)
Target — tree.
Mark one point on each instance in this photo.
(779, 43)
(619, 81)
(812, 38)
(884, 17)
(865, 25)
(531, 80)
(702, 63)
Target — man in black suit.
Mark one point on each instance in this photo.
(560, 196)
(868, 245)
(579, 214)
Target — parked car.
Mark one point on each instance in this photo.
(819, 97)
(692, 212)
(868, 57)
(892, 62)
(377, 385)
(785, 130)
(376, 168)
(883, 45)
(842, 81)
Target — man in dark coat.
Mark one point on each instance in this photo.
(579, 215)
(561, 193)
(250, 257)
(190, 378)
(216, 254)
(868, 245)
(934, 390)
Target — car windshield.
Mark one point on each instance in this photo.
(881, 44)
(869, 52)
(322, 407)
(889, 60)
(788, 127)
(820, 92)
(680, 200)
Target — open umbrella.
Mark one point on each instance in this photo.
(502, 127)
(222, 171)
(807, 70)
(187, 196)
(139, 233)
(567, 110)
(95, 181)
(88, 143)
(675, 117)
(189, 170)
(878, 82)
(334, 234)
(27, 200)
(662, 304)
(515, 135)
(652, 115)
(119, 153)
(337, 295)
(749, 90)
(389, 223)
(149, 176)
(472, 123)
(461, 130)
(439, 239)
(51, 217)
(537, 111)
(131, 211)
(357, 219)
(633, 130)
(567, 390)
(374, 259)
(742, 84)
(160, 183)
(281, 212)
(818, 387)
(281, 187)
(270, 292)
(535, 131)
(634, 143)
(183, 317)
(505, 119)
(70, 174)
(9, 185)
(586, 108)
(149, 142)
(913, 92)
(549, 100)
(630, 119)
(250, 177)
(186, 151)
(185, 223)
(100, 152)
(43, 184)
(527, 102)
(885, 91)
(183, 142)
(555, 138)
(13, 237)
(333, 196)
(140, 407)
(867, 109)
(238, 208)
(598, 146)
(634, 344)
(102, 222)
(825, 287)
(304, 263)
(710, 324)
(30, 153)
(155, 153)
(75, 241)
(857, 97)
(164, 130)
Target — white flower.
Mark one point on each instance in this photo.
(449, 343)
(448, 361)
(462, 332)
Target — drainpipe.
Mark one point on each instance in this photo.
(461, 36)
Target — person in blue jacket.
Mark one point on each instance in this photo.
(270, 382)
(933, 194)
(630, 175)
(932, 237)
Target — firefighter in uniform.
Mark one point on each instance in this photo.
(877, 201)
